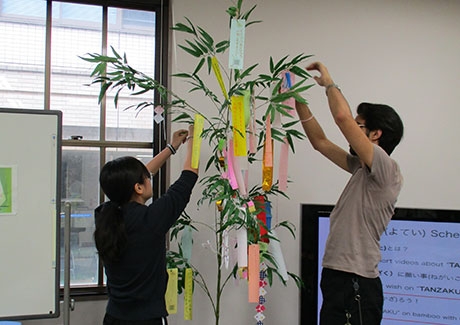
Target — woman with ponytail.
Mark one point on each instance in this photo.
(130, 235)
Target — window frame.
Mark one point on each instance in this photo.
(161, 8)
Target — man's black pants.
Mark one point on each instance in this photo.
(350, 297)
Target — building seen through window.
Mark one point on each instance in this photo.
(78, 29)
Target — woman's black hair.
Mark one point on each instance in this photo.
(117, 179)
(384, 118)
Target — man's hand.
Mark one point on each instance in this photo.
(324, 79)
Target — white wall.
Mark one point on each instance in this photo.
(400, 52)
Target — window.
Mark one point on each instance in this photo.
(37, 73)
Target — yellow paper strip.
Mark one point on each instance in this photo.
(197, 131)
(216, 69)
(253, 273)
(188, 294)
(239, 129)
(171, 292)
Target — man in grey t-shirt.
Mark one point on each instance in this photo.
(350, 283)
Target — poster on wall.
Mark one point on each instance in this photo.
(7, 190)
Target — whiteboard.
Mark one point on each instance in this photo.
(30, 164)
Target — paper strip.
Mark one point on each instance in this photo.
(242, 244)
(267, 171)
(239, 175)
(252, 127)
(275, 249)
(261, 216)
(225, 249)
(288, 80)
(268, 214)
(230, 168)
(216, 69)
(188, 294)
(283, 168)
(253, 273)
(236, 50)
(197, 131)
(268, 153)
(239, 129)
(171, 291)
(187, 242)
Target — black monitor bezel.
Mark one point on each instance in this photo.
(309, 247)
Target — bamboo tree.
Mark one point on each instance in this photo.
(113, 73)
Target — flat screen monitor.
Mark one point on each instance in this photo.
(420, 266)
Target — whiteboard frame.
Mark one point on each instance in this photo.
(28, 139)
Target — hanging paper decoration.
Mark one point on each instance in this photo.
(288, 81)
(216, 69)
(197, 130)
(171, 291)
(252, 126)
(242, 244)
(158, 118)
(268, 214)
(253, 273)
(225, 249)
(188, 294)
(275, 249)
(239, 129)
(186, 243)
(230, 168)
(261, 216)
(236, 50)
(260, 308)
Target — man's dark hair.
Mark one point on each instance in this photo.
(383, 117)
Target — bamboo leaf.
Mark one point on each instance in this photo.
(199, 66)
(190, 51)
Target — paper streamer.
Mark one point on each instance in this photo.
(260, 308)
(188, 294)
(239, 174)
(268, 149)
(253, 273)
(225, 249)
(252, 127)
(171, 291)
(261, 216)
(275, 249)
(268, 214)
(230, 168)
(242, 244)
(236, 49)
(283, 167)
(267, 170)
(239, 129)
(187, 242)
(216, 69)
(288, 81)
(197, 131)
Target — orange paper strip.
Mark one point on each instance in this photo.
(253, 273)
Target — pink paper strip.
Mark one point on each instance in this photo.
(283, 168)
(230, 171)
(239, 175)
(268, 158)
